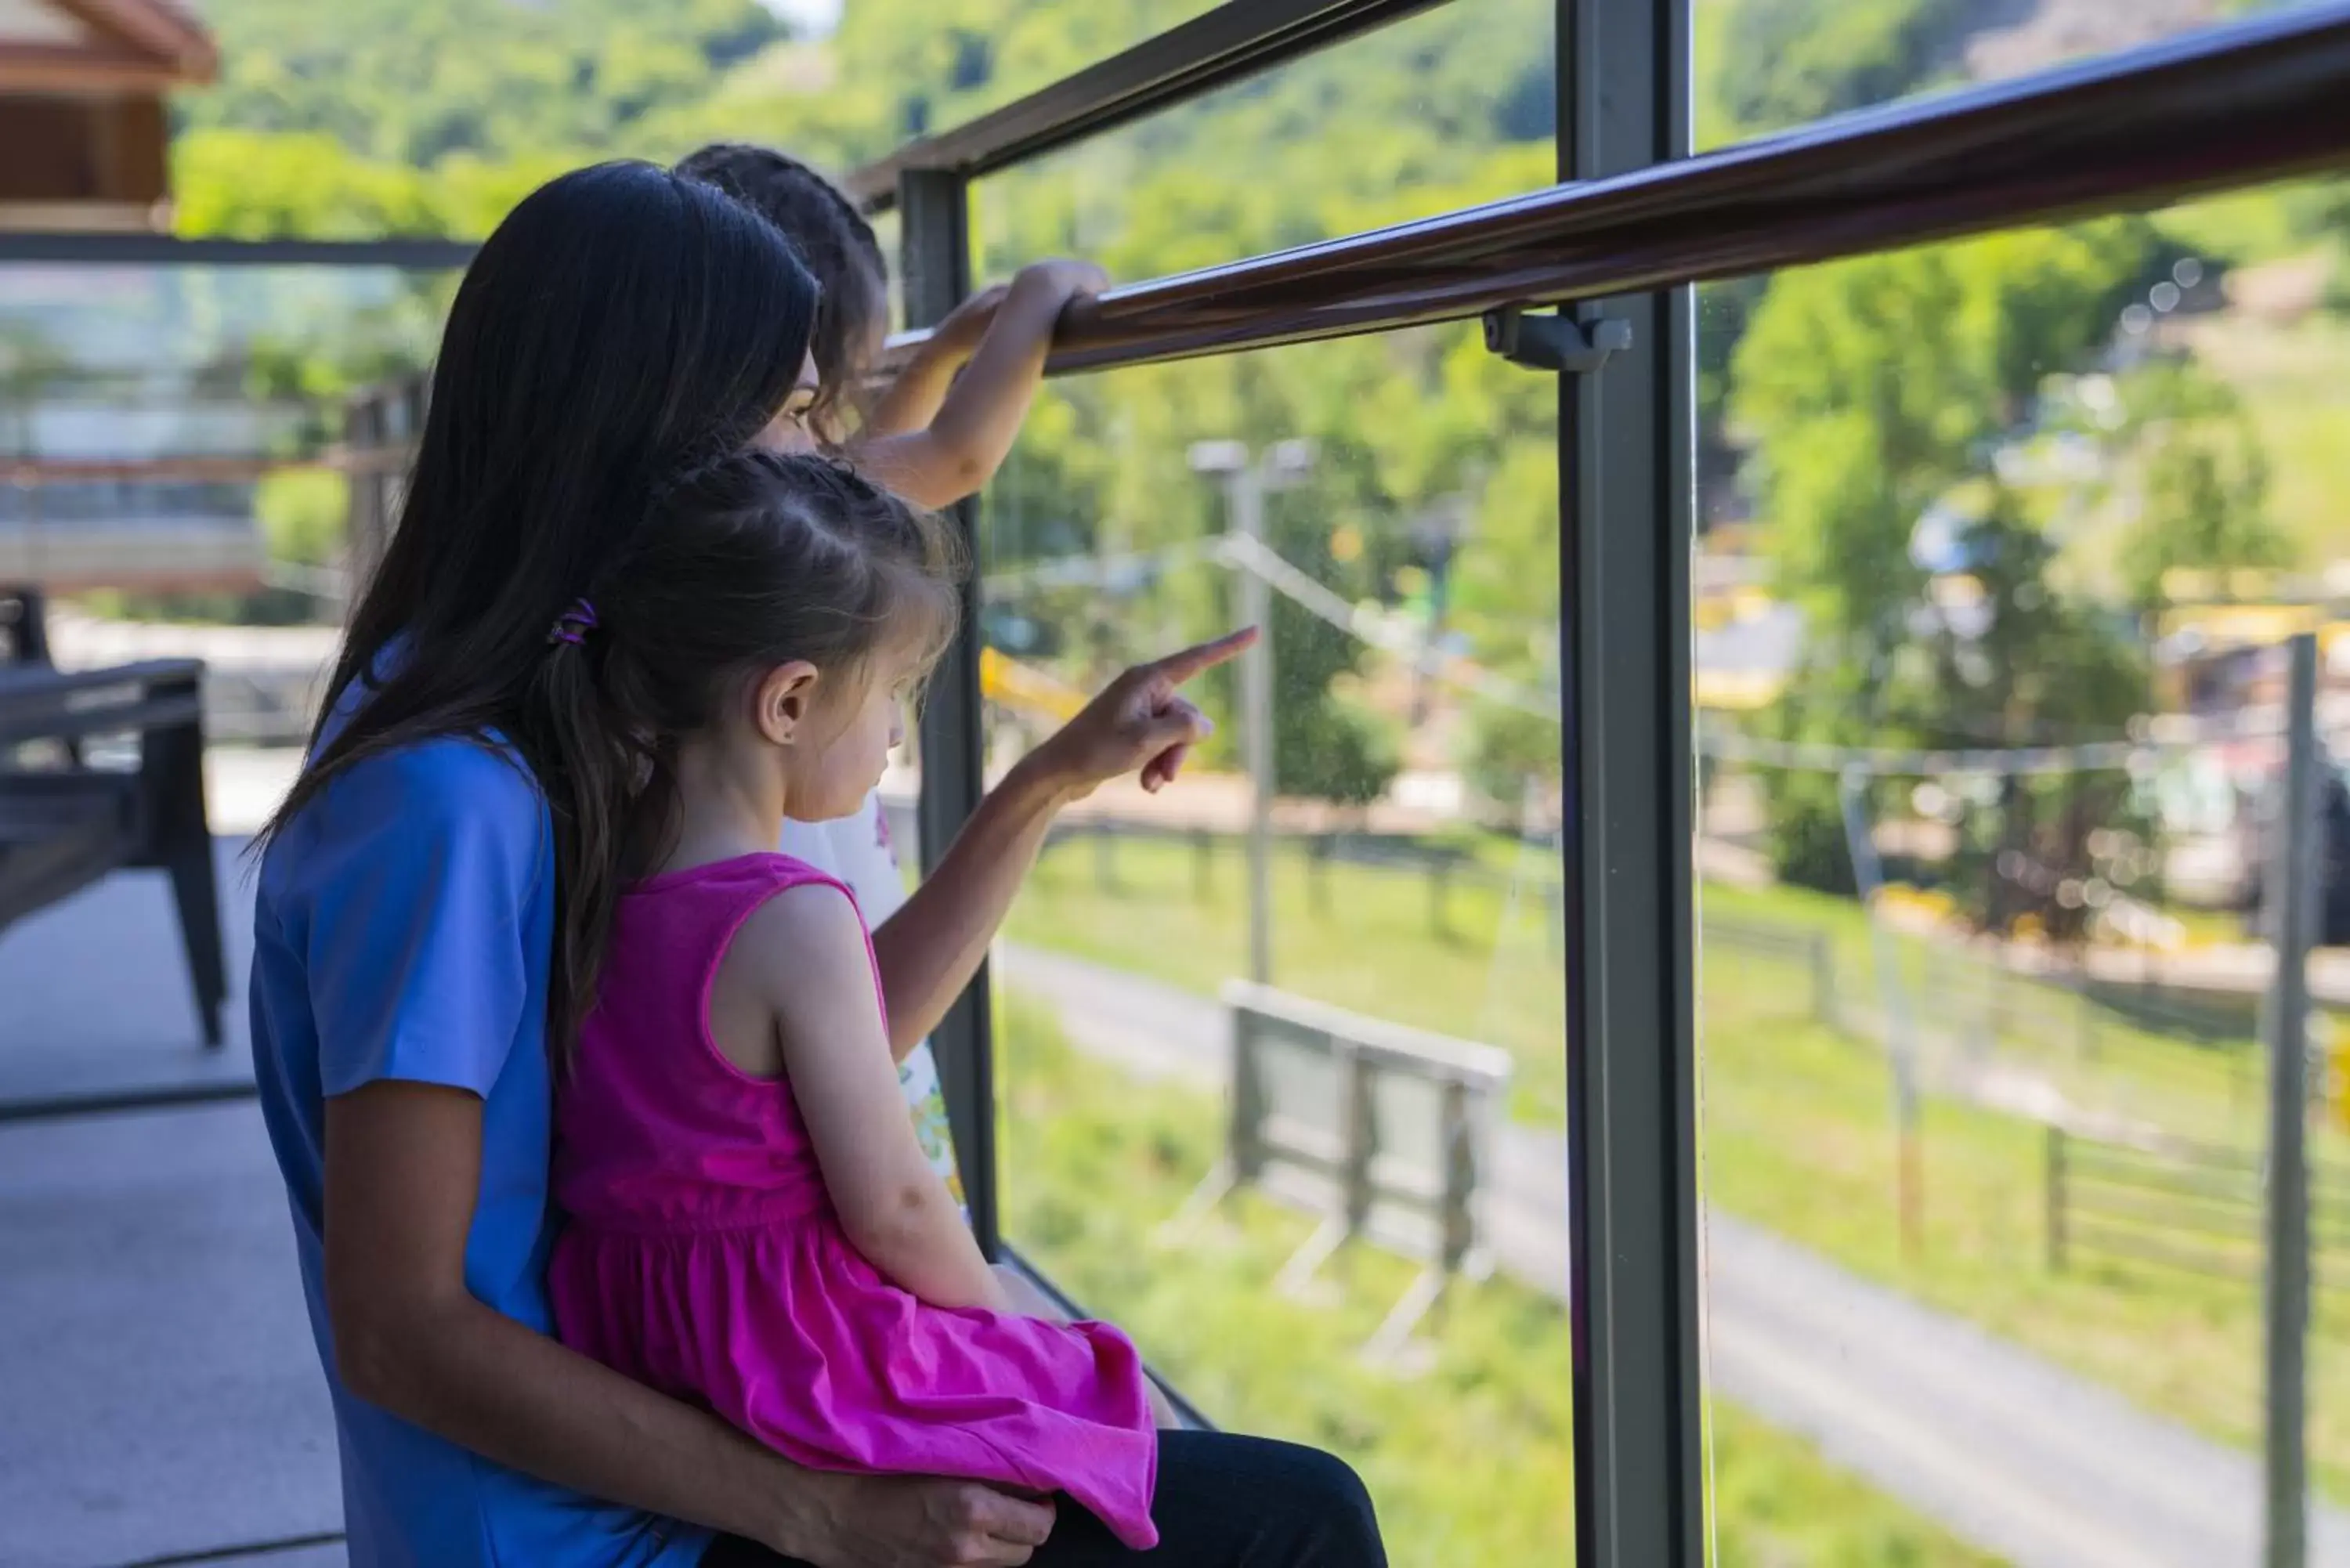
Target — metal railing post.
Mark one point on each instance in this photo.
(2292, 888)
(1626, 487)
(934, 261)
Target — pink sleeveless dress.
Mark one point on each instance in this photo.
(703, 1257)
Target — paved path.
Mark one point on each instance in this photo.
(158, 1390)
(2005, 1448)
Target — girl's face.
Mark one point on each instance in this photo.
(836, 753)
(788, 431)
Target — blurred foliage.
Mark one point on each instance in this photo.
(411, 82)
(1846, 402)
(301, 512)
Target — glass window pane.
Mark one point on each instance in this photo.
(1443, 110)
(1404, 490)
(1409, 562)
(1999, 541)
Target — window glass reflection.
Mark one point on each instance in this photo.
(2001, 541)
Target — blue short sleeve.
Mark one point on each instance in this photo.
(423, 869)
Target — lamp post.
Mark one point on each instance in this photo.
(1246, 480)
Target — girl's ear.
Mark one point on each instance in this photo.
(783, 699)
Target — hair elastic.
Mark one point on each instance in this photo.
(574, 624)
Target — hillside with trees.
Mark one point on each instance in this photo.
(1840, 405)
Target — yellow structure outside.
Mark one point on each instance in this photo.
(1017, 685)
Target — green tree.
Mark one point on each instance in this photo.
(254, 185)
(302, 513)
(414, 82)
(2201, 479)
(2040, 665)
(1868, 388)
(1767, 64)
(2205, 507)
(1872, 391)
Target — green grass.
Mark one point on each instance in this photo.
(1797, 1138)
(1369, 939)
(1488, 974)
(2097, 1053)
(1797, 1124)
(1470, 1459)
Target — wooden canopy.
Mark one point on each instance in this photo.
(82, 84)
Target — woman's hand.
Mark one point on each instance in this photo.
(913, 1522)
(1140, 723)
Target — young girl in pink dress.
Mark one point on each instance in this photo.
(752, 1221)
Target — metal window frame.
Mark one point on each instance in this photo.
(171, 250)
(934, 271)
(1626, 504)
(2246, 102)
(1635, 221)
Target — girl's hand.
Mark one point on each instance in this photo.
(950, 419)
(1061, 280)
(965, 325)
(1141, 722)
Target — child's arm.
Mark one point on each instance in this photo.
(980, 416)
(912, 400)
(808, 948)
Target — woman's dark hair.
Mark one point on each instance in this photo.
(623, 327)
(818, 217)
(758, 561)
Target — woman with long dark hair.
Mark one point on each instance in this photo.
(619, 325)
(622, 332)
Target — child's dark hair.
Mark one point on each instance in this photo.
(749, 563)
(838, 246)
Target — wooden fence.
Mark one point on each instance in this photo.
(2190, 1208)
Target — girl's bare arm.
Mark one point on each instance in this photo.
(959, 450)
(805, 948)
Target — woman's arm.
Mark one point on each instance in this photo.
(912, 400)
(962, 448)
(804, 949)
(402, 1164)
(930, 948)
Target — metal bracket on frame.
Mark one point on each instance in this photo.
(1555, 340)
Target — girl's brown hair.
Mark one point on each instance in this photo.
(751, 562)
(838, 246)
